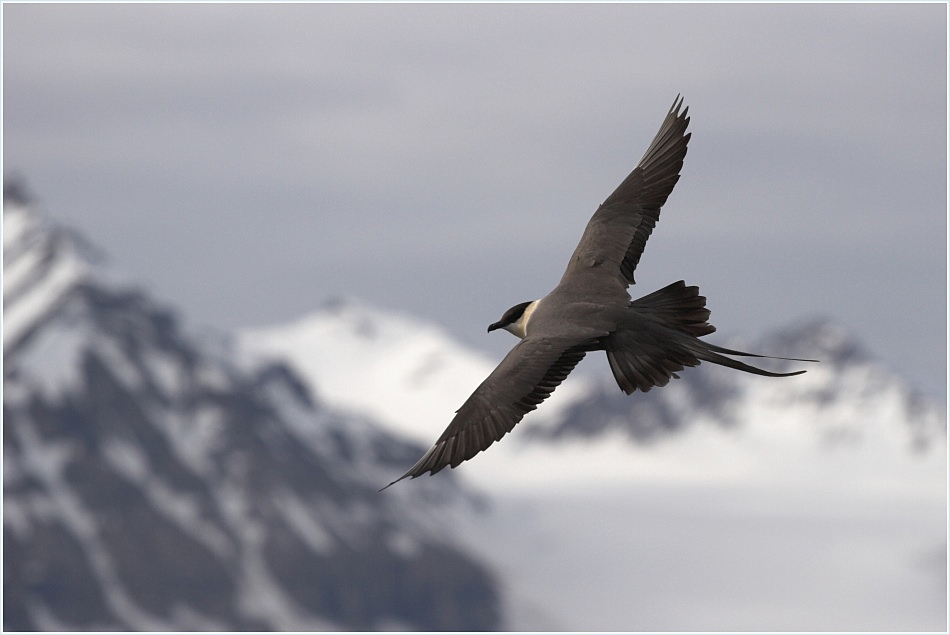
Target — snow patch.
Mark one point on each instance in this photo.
(36, 274)
(304, 524)
(126, 459)
(38, 300)
(194, 436)
(166, 372)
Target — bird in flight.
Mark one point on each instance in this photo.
(647, 340)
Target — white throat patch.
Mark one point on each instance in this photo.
(520, 328)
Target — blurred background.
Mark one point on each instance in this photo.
(250, 252)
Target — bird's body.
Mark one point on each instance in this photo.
(647, 340)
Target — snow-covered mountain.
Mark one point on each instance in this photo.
(153, 483)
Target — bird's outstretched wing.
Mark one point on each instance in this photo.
(616, 234)
(524, 378)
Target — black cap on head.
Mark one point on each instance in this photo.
(511, 315)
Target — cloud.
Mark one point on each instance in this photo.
(292, 151)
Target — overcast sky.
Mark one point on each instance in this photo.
(246, 162)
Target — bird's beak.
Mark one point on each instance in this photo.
(494, 327)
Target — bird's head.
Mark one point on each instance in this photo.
(515, 319)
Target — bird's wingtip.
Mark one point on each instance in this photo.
(414, 471)
(391, 484)
(677, 103)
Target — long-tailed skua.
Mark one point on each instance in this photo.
(647, 341)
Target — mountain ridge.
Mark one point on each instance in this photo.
(152, 483)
